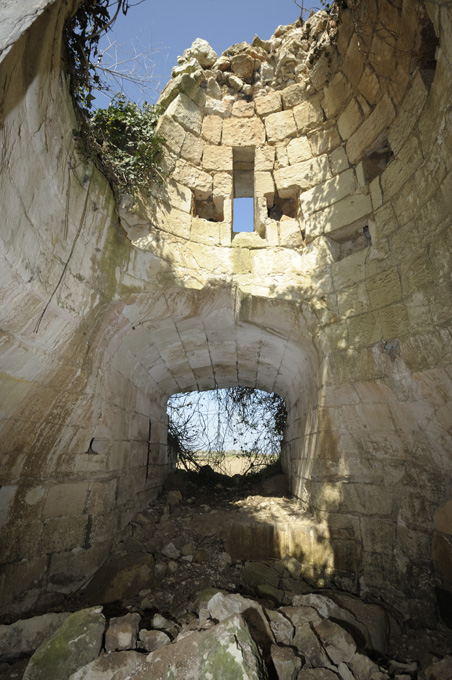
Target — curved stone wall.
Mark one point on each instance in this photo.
(339, 300)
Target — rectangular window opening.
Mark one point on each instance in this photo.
(243, 174)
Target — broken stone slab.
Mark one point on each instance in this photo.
(225, 651)
(171, 551)
(362, 667)
(256, 573)
(307, 643)
(25, 636)
(74, 644)
(317, 674)
(338, 644)
(293, 566)
(122, 633)
(222, 606)
(270, 592)
(286, 662)
(121, 578)
(370, 617)
(376, 617)
(114, 666)
(150, 640)
(281, 627)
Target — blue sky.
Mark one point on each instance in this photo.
(169, 27)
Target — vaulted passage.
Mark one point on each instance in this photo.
(336, 299)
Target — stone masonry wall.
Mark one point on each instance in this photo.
(340, 129)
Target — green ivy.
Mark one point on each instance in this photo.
(124, 136)
(82, 33)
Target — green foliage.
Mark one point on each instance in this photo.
(124, 133)
(82, 33)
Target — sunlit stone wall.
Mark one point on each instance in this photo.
(340, 131)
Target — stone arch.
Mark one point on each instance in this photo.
(346, 294)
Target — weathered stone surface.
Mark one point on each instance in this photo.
(243, 66)
(338, 644)
(26, 635)
(202, 52)
(150, 640)
(115, 666)
(222, 606)
(280, 126)
(257, 573)
(77, 642)
(185, 112)
(122, 633)
(120, 578)
(243, 132)
(225, 651)
(440, 670)
(286, 663)
(103, 320)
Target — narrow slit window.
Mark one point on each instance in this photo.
(243, 214)
(243, 207)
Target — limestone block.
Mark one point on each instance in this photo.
(206, 654)
(369, 86)
(63, 533)
(192, 148)
(282, 158)
(348, 211)
(364, 330)
(243, 109)
(222, 184)
(66, 499)
(353, 301)
(349, 119)
(77, 642)
(408, 113)
(337, 642)
(122, 633)
(324, 140)
(202, 51)
(286, 663)
(394, 321)
(328, 192)
(186, 84)
(401, 168)
(172, 132)
(243, 66)
(212, 128)
(264, 158)
(26, 635)
(299, 150)
(204, 231)
(338, 161)
(114, 665)
(280, 126)
(293, 95)
(151, 640)
(185, 112)
(301, 175)
(243, 132)
(384, 288)
(217, 159)
(308, 115)
(268, 103)
(352, 65)
(375, 193)
(336, 95)
(361, 140)
(167, 192)
(290, 232)
(264, 184)
(199, 181)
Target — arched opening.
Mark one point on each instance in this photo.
(235, 431)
